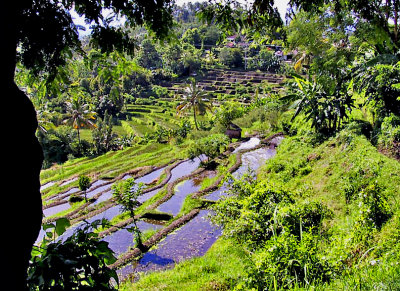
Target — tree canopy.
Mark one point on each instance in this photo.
(36, 20)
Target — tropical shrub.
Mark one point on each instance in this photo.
(103, 136)
(193, 37)
(380, 84)
(227, 112)
(373, 205)
(360, 127)
(80, 262)
(388, 136)
(281, 236)
(184, 128)
(162, 134)
(265, 61)
(304, 217)
(161, 92)
(325, 106)
(249, 215)
(59, 143)
(125, 141)
(211, 146)
(231, 57)
(284, 262)
(126, 194)
(148, 56)
(84, 184)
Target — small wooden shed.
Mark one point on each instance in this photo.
(233, 131)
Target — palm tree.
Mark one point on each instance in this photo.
(43, 118)
(79, 115)
(194, 98)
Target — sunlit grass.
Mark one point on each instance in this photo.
(219, 269)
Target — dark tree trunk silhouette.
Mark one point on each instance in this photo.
(22, 162)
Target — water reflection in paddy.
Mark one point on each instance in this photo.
(184, 168)
(56, 209)
(121, 240)
(251, 143)
(47, 185)
(174, 204)
(191, 240)
(251, 161)
(107, 214)
(146, 179)
(91, 194)
(197, 236)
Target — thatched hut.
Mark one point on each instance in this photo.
(233, 131)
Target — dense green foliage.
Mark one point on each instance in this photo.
(319, 215)
(84, 184)
(80, 262)
(103, 90)
(322, 214)
(211, 146)
(282, 235)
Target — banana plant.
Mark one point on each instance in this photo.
(326, 110)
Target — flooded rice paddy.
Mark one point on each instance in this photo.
(193, 238)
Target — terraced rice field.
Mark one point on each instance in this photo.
(234, 82)
(238, 85)
(172, 197)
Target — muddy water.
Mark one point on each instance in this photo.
(191, 240)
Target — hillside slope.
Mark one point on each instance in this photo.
(357, 242)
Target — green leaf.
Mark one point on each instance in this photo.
(48, 226)
(61, 225)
